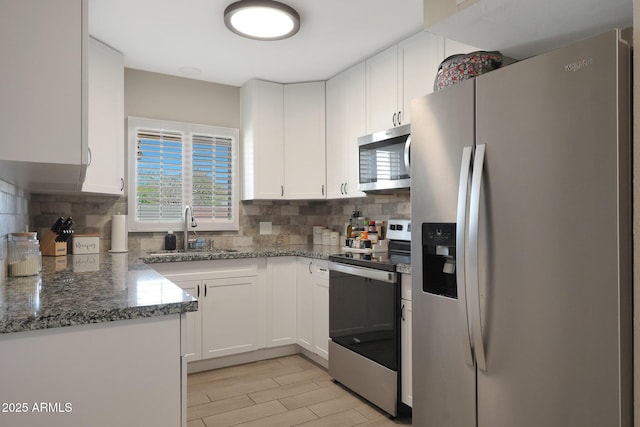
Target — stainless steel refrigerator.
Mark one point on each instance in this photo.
(521, 244)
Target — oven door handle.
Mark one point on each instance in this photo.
(368, 273)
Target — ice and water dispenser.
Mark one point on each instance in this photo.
(439, 259)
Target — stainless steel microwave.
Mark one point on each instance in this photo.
(385, 159)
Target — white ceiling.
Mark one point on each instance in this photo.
(178, 37)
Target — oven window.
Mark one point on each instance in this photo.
(363, 317)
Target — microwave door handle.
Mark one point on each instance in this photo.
(407, 154)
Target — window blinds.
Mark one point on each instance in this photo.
(212, 177)
(159, 175)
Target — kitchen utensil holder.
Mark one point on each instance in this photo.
(49, 246)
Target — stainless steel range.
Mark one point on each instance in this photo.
(364, 319)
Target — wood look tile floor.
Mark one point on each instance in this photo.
(287, 391)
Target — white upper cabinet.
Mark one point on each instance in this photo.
(382, 90)
(283, 140)
(419, 56)
(262, 139)
(304, 141)
(43, 107)
(452, 47)
(105, 171)
(346, 121)
(397, 75)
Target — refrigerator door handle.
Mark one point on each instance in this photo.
(461, 232)
(474, 273)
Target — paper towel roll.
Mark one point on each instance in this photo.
(119, 233)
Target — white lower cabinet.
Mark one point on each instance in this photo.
(193, 320)
(313, 306)
(249, 304)
(231, 320)
(321, 309)
(406, 387)
(230, 316)
(304, 279)
(281, 301)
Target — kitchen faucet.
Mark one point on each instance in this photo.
(188, 214)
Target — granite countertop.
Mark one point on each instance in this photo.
(81, 289)
(309, 251)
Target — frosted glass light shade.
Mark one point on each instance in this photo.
(262, 19)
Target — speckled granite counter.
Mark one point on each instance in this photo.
(81, 289)
(404, 268)
(309, 251)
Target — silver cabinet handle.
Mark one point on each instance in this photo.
(90, 157)
(342, 188)
(198, 291)
(121, 184)
(474, 273)
(402, 313)
(323, 189)
(394, 119)
(399, 118)
(346, 191)
(282, 190)
(463, 314)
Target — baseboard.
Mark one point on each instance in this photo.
(239, 359)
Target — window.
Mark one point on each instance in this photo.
(174, 164)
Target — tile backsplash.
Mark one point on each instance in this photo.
(292, 221)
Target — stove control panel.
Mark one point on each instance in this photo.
(399, 229)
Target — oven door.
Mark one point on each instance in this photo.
(363, 312)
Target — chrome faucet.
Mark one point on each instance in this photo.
(188, 216)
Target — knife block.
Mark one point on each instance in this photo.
(49, 246)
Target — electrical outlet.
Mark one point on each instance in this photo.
(266, 228)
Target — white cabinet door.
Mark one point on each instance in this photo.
(452, 47)
(321, 309)
(105, 169)
(304, 141)
(355, 85)
(262, 140)
(193, 319)
(382, 90)
(231, 321)
(43, 113)
(406, 384)
(346, 121)
(419, 57)
(305, 303)
(336, 117)
(281, 301)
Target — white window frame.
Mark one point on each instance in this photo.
(187, 129)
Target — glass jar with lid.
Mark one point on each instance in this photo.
(24, 254)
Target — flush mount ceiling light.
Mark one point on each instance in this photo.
(262, 19)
